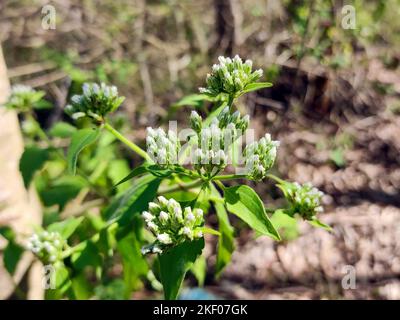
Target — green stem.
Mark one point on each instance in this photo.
(229, 177)
(186, 186)
(220, 185)
(273, 177)
(216, 199)
(134, 147)
(230, 101)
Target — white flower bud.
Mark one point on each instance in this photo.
(258, 73)
(163, 216)
(152, 226)
(163, 201)
(157, 249)
(195, 121)
(198, 213)
(190, 217)
(35, 250)
(153, 207)
(178, 213)
(187, 232)
(172, 204)
(164, 238)
(147, 216)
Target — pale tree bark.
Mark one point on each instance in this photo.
(20, 208)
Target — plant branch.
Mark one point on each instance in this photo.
(229, 177)
(182, 186)
(220, 185)
(133, 146)
(273, 177)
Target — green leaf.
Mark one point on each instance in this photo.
(154, 169)
(255, 86)
(213, 114)
(62, 190)
(199, 270)
(80, 140)
(113, 290)
(157, 171)
(175, 263)
(210, 231)
(318, 224)
(285, 224)
(42, 105)
(81, 287)
(87, 255)
(133, 262)
(65, 228)
(134, 173)
(7, 233)
(11, 256)
(62, 130)
(337, 156)
(59, 278)
(117, 169)
(193, 100)
(31, 161)
(226, 242)
(133, 200)
(244, 202)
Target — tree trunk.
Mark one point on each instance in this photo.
(20, 208)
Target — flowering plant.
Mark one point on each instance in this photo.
(157, 224)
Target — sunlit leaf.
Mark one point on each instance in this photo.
(244, 202)
(80, 140)
(175, 263)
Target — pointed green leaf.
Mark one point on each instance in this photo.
(87, 255)
(244, 202)
(11, 256)
(199, 270)
(58, 279)
(226, 242)
(255, 86)
(81, 287)
(210, 231)
(66, 228)
(80, 140)
(318, 224)
(193, 100)
(133, 262)
(31, 161)
(285, 224)
(175, 263)
(133, 200)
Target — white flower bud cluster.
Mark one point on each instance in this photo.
(225, 119)
(305, 199)
(47, 246)
(95, 101)
(260, 157)
(213, 141)
(23, 97)
(163, 148)
(230, 76)
(21, 89)
(171, 225)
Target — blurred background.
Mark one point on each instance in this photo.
(334, 106)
